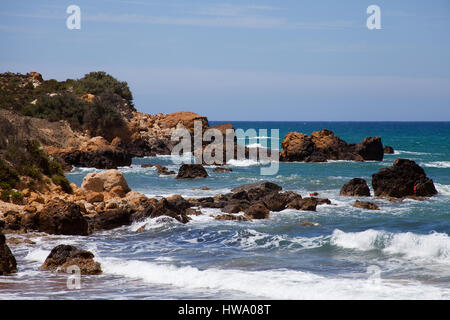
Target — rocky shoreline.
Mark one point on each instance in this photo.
(42, 200)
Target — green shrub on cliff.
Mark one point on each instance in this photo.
(64, 106)
(8, 176)
(27, 158)
(100, 82)
(62, 100)
(63, 182)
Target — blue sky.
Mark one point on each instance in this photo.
(246, 60)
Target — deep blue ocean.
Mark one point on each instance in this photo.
(399, 252)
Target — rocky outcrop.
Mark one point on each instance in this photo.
(307, 204)
(405, 178)
(256, 200)
(325, 145)
(8, 262)
(175, 207)
(108, 181)
(95, 153)
(355, 187)
(388, 150)
(191, 171)
(61, 217)
(255, 191)
(64, 256)
(110, 218)
(257, 211)
(365, 205)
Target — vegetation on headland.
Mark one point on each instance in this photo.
(91, 103)
(20, 158)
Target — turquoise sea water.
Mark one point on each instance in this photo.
(399, 252)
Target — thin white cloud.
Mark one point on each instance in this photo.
(232, 10)
(219, 15)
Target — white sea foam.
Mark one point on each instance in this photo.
(422, 248)
(37, 255)
(272, 284)
(243, 163)
(155, 224)
(442, 188)
(410, 152)
(437, 164)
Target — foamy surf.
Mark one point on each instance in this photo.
(270, 284)
(417, 247)
(437, 164)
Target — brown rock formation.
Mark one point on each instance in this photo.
(325, 145)
(64, 256)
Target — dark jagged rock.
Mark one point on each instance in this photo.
(60, 217)
(64, 256)
(307, 204)
(355, 187)
(370, 148)
(110, 219)
(8, 262)
(191, 171)
(325, 145)
(388, 150)
(174, 207)
(101, 159)
(405, 178)
(257, 211)
(257, 198)
(365, 205)
(256, 191)
(278, 201)
(163, 170)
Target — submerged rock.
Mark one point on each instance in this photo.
(222, 169)
(355, 187)
(404, 178)
(232, 217)
(388, 150)
(64, 256)
(365, 205)
(163, 170)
